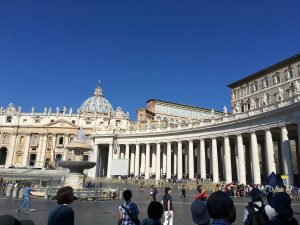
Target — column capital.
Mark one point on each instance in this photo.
(267, 129)
(282, 126)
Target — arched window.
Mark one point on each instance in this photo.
(71, 139)
(5, 139)
(61, 140)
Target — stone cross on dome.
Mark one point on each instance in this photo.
(98, 90)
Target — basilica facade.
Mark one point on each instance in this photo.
(258, 136)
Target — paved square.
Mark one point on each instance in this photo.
(105, 212)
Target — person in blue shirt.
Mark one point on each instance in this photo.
(26, 198)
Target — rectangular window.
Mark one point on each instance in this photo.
(32, 159)
(8, 119)
(73, 121)
(288, 74)
(255, 87)
(24, 120)
(265, 83)
(276, 79)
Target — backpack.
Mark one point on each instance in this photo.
(258, 217)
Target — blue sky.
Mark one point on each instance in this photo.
(52, 53)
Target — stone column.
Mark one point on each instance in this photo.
(122, 152)
(26, 151)
(153, 163)
(227, 160)
(132, 161)
(137, 160)
(255, 159)
(164, 167)
(241, 162)
(44, 148)
(287, 156)
(179, 157)
(175, 160)
(209, 151)
(118, 156)
(157, 173)
(191, 160)
(93, 171)
(215, 163)
(39, 151)
(110, 156)
(147, 170)
(202, 159)
(53, 148)
(127, 151)
(186, 159)
(11, 150)
(198, 159)
(169, 160)
(143, 160)
(67, 137)
(269, 151)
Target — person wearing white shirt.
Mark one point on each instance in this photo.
(259, 198)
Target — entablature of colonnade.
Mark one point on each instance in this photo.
(286, 115)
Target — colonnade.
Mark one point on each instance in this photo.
(230, 157)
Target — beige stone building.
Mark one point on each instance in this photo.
(266, 87)
(37, 139)
(174, 113)
(172, 140)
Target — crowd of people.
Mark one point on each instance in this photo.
(216, 209)
(265, 208)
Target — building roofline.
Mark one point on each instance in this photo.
(271, 68)
(189, 106)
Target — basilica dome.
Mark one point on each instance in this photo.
(96, 104)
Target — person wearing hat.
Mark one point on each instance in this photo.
(258, 201)
(199, 208)
(281, 202)
(10, 220)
